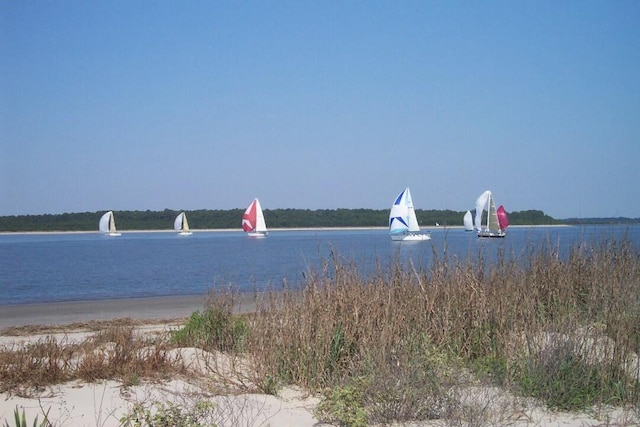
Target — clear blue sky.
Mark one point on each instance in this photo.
(135, 105)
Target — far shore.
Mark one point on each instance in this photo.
(239, 231)
(198, 230)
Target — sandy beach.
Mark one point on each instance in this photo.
(61, 313)
(104, 403)
(152, 308)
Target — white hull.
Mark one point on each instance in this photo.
(257, 233)
(487, 233)
(113, 234)
(185, 233)
(412, 237)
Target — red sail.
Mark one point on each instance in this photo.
(249, 217)
(503, 219)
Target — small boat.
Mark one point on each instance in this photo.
(181, 225)
(468, 221)
(107, 225)
(403, 224)
(253, 220)
(493, 226)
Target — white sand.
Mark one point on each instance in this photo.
(104, 403)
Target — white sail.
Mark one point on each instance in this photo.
(261, 225)
(107, 224)
(481, 205)
(468, 221)
(413, 221)
(403, 224)
(103, 225)
(492, 216)
(185, 223)
(181, 225)
(177, 224)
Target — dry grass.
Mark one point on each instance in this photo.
(405, 334)
(112, 353)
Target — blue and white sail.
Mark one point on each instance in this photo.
(403, 224)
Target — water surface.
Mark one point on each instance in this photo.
(37, 268)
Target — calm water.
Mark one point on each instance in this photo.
(68, 267)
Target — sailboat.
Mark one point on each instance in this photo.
(253, 220)
(468, 221)
(493, 227)
(181, 225)
(107, 225)
(403, 224)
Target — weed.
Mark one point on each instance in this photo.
(21, 420)
(215, 329)
(169, 414)
(563, 379)
(345, 405)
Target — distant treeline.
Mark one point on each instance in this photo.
(275, 218)
(601, 221)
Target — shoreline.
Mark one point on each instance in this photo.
(240, 232)
(145, 308)
(199, 230)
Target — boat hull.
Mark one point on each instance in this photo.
(257, 234)
(185, 233)
(491, 234)
(411, 237)
(113, 234)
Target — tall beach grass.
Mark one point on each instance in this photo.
(562, 329)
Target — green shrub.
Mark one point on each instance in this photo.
(159, 414)
(411, 382)
(345, 405)
(563, 380)
(213, 329)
